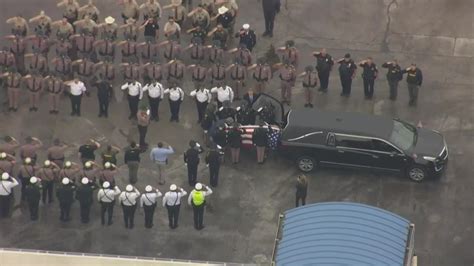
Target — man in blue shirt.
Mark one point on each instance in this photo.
(159, 155)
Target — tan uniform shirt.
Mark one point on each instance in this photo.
(8, 148)
(46, 174)
(29, 150)
(154, 71)
(26, 171)
(6, 166)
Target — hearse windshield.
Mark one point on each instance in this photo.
(403, 135)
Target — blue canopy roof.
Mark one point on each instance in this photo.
(342, 233)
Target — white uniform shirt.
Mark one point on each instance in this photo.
(149, 198)
(107, 194)
(155, 90)
(204, 192)
(77, 88)
(129, 198)
(134, 89)
(175, 94)
(223, 94)
(173, 198)
(6, 186)
(201, 95)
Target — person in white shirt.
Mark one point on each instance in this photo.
(197, 199)
(106, 198)
(203, 97)
(128, 200)
(176, 96)
(148, 203)
(155, 95)
(76, 89)
(6, 185)
(134, 95)
(172, 202)
(224, 93)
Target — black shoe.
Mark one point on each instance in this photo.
(265, 34)
(321, 89)
(72, 113)
(311, 105)
(171, 119)
(177, 120)
(35, 109)
(100, 115)
(270, 35)
(343, 94)
(15, 109)
(110, 223)
(51, 112)
(31, 109)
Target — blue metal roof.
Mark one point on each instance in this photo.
(342, 233)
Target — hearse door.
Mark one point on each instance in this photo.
(355, 151)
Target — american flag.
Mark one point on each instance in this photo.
(247, 136)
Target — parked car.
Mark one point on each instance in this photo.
(315, 138)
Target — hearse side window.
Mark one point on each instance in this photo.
(383, 146)
(353, 142)
(331, 140)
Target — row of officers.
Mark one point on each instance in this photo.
(107, 196)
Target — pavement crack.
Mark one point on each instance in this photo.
(384, 46)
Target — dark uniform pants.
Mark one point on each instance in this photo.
(154, 105)
(413, 93)
(149, 212)
(133, 171)
(214, 175)
(369, 87)
(346, 83)
(142, 134)
(103, 105)
(324, 79)
(192, 173)
(24, 182)
(109, 208)
(65, 208)
(173, 215)
(201, 108)
(393, 85)
(48, 191)
(198, 215)
(129, 215)
(76, 104)
(269, 21)
(174, 109)
(133, 105)
(85, 211)
(5, 202)
(301, 198)
(33, 206)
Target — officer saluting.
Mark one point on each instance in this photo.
(324, 66)
(369, 75)
(55, 86)
(347, 69)
(310, 81)
(176, 96)
(224, 93)
(197, 199)
(203, 98)
(155, 95)
(84, 194)
(65, 195)
(191, 159)
(134, 95)
(394, 75)
(76, 89)
(148, 203)
(128, 200)
(261, 74)
(172, 202)
(213, 161)
(33, 196)
(106, 198)
(414, 80)
(6, 196)
(238, 74)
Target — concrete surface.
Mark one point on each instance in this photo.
(242, 213)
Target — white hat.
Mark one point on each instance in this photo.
(222, 10)
(68, 164)
(109, 20)
(129, 188)
(106, 184)
(246, 26)
(85, 180)
(3, 155)
(47, 163)
(107, 165)
(33, 179)
(27, 160)
(219, 147)
(65, 181)
(173, 187)
(198, 186)
(148, 188)
(5, 176)
(88, 164)
(176, 2)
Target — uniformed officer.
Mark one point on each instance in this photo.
(176, 96)
(369, 74)
(219, 36)
(7, 162)
(266, 113)
(33, 196)
(175, 71)
(47, 174)
(198, 74)
(76, 89)
(19, 25)
(71, 10)
(178, 11)
(198, 33)
(172, 30)
(7, 60)
(394, 75)
(155, 92)
(104, 93)
(85, 45)
(310, 81)
(151, 9)
(131, 71)
(171, 49)
(109, 29)
(143, 121)
(148, 203)
(347, 70)
(149, 51)
(207, 121)
(86, 151)
(270, 9)
(43, 24)
(191, 159)
(262, 74)
(196, 50)
(18, 48)
(70, 170)
(34, 84)
(62, 66)
(132, 160)
(224, 93)
(290, 53)
(243, 54)
(38, 64)
(130, 30)
(152, 72)
(134, 95)
(106, 198)
(128, 200)
(129, 51)
(107, 69)
(6, 193)
(64, 29)
(260, 140)
(414, 81)
(197, 199)
(84, 71)
(287, 81)
(217, 73)
(84, 194)
(105, 48)
(200, 17)
(203, 97)
(247, 37)
(30, 148)
(172, 202)
(54, 86)
(108, 173)
(324, 63)
(130, 10)
(9, 145)
(12, 82)
(56, 152)
(90, 170)
(25, 172)
(89, 10)
(245, 115)
(226, 111)
(234, 136)
(65, 195)
(219, 137)
(86, 26)
(225, 17)
(238, 74)
(213, 161)
(110, 154)
(64, 48)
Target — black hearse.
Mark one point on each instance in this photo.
(315, 138)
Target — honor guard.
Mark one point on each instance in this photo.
(369, 74)
(172, 202)
(347, 70)
(106, 198)
(47, 174)
(217, 73)
(219, 36)
(245, 115)
(84, 71)
(86, 26)
(128, 200)
(12, 80)
(104, 93)
(290, 53)
(33, 196)
(226, 111)
(6, 193)
(89, 10)
(175, 70)
(247, 37)
(43, 24)
(191, 159)
(176, 96)
(213, 161)
(62, 66)
(414, 81)
(151, 9)
(171, 49)
(19, 25)
(243, 54)
(200, 17)
(25, 172)
(65, 195)
(203, 97)
(148, 203)
(152, 72)
(40, 44)
(394, 75)
(238, 74)
(197, 199)
(134, 95)
(128, 50)
(310, 81)
(224, 93)
(262, 74)
(149, 52)
(324, 63)
(130, 30)
(155, 93)
(105, 48)
(196, 50)
(54, 86)
(76, 89)
(71, 10)
(198, 75)
(130, 10)
(70, 170)
(7, 162)
(234, 136)
(34, 84)
(84, 194)
(108, 29)
(131, 72)
(287, 81)
(64, 29)
(18, 48)
(84, 44)
(30, 148)
(107, 69)
(178, 11)
(38, 64)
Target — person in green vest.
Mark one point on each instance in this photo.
(197, 199)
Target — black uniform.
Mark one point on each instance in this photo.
(249, 39)
(65, 195)
(270, 9)
(191, 158)
(324, 65)
(346, 71)
(369, 75)
(84, 194)
(214, 162)
(246, 116)
(33, 196)
(220, 137)
(226, 112)
(394, 75)
(301, 191)
(235, 137)
(104, 93)
(414, 81)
